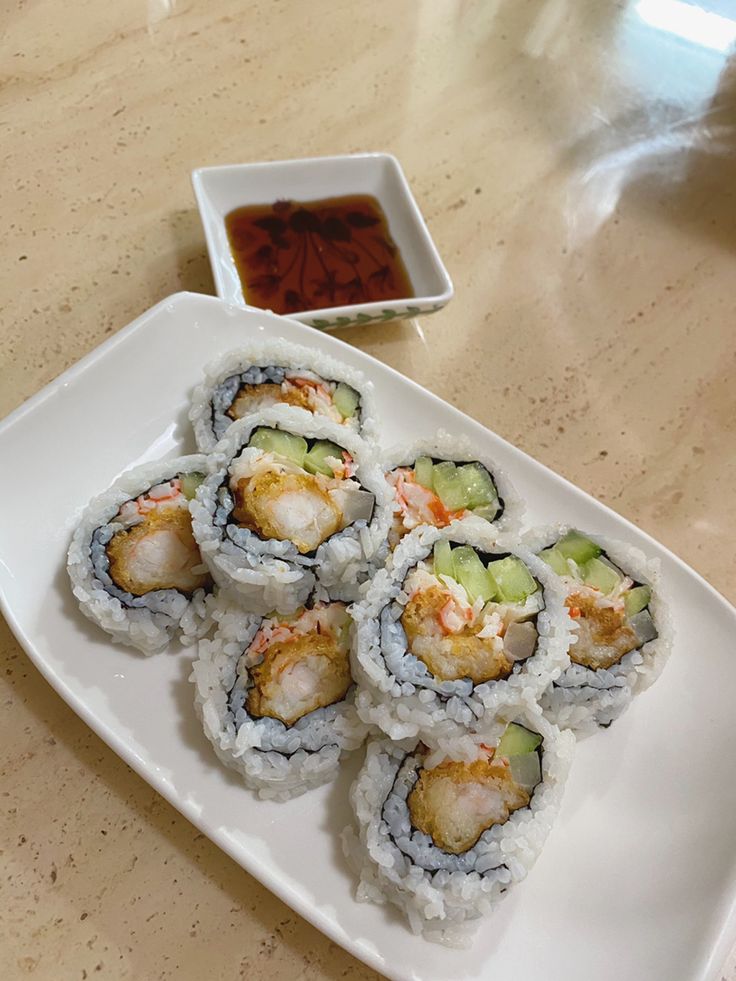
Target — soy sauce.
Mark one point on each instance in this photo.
(294, 255)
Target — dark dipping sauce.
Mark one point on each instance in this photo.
(305, 256)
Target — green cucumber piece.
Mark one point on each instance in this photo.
(514, 580)
(189, 483)
(448, 486)
(577, 547)
(472, 574)
(443, 561)
(517, 740)
(284, 444)
(600, 575)
(497, 594)
(479, 488)
(526, 769)
(555, 560)
(346, 400)
(636, 600)
(316, 459)
(423, 469)
(486, 511)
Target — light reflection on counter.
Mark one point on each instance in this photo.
(671, 57)
(693, 23)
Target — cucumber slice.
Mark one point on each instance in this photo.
(189, 484)
(472, 574)
(284, 444)
(555, 560)
(636, 600)
(601, 575)
(423, 472)
(577, 547)
(443, 561)
(517, 741)
(514, 580)
(486, 511)
(526, 770)
(479, 488)
(346, 400)
(497, 594)
(316, 459)
(448, 486)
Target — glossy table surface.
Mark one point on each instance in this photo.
(575, 165)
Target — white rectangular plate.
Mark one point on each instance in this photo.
(638, 878)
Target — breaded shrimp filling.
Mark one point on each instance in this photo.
(298, 676)
(159, 552)
(455, 802)
(604, 635)
(287, 506)
(252, 397)
(450, 653)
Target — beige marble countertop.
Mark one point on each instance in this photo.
(575, 164)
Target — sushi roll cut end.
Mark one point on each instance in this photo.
(270, 374)
(621, 631)
(301, 663)
(455, 802)
(466, 618)
(446, 828)
(439, 492)
(609, 608)
(155, 549)
(289, 490)
(134, 563)
(275, 694)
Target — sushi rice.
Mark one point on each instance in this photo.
(148, 621)
(398, 692)
(582, 698)
(272, 363)
(443, 892)
(270, 573)
(274, 759)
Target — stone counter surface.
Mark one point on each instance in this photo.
(574, 162)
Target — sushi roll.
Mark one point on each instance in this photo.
(267, 373)
(275, 695)
(622, 633)
(291, 499)
(444, 832)
(460, 619)
(133, 562)
(440, 481)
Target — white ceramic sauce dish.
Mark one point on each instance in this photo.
(220, 190)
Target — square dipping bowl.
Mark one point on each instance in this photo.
(219, 190)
